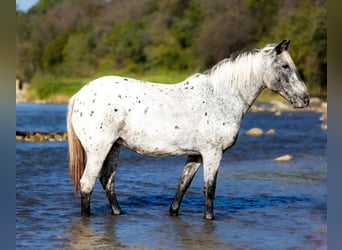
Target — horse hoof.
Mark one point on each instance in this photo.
(116, 212)
(85, 213)
(209, 216)
(173, 212)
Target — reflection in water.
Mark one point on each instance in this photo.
(83, 234)
(259, 204)
(90, 233)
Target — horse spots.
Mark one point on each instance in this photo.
(81, 114)
(125, 79)
(119, 96)
(109, 104)
(93, 100)
(91, 113)
(176, 127)
(206, 114)
(115, 110)
(129, 110)
(146, 109)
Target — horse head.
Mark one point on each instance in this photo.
(281, 75)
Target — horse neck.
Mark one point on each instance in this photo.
(240, 79)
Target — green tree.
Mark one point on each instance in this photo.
(44, 5)
(305, 25)
(52, 56)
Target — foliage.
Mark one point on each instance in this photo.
(83, 38)
(306, 26)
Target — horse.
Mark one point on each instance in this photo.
(199, 117)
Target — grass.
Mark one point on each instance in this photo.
(60, 88)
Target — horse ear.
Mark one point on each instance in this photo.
(284, 45)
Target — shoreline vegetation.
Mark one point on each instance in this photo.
(160, 41)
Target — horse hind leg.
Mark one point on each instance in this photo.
(95, 160)
(107, 177)
(87, 182)
(192, 164)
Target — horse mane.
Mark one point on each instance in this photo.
(231, 59)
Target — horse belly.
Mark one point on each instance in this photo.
(158, 142)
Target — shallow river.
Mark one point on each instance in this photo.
(259, 204)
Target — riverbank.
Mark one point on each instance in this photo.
(35, 136)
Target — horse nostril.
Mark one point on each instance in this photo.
(306, 99)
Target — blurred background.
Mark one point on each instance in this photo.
(62, 44)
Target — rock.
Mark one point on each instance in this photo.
(254, 132)
(270, 131)
(281, 106)
(40, 136)
(283, 158)
(324, 126)
(315, 101)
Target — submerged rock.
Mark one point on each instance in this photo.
(254, 132)
(271, 132)
(284, 158)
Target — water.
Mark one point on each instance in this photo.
(259, 204)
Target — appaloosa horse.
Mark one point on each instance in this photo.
(199, 117)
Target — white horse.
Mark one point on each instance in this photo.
(199, 117)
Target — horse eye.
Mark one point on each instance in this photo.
(285, 66)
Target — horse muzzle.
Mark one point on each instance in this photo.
(300, 101)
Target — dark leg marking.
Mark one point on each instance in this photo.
(85, 204)
(211, 163)
(209, 194)
(192, 164)
(107, 177)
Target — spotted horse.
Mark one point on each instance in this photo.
(199, 117)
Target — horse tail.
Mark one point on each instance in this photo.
(75, 150)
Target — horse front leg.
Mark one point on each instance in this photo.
(192, 164)
(107, 177)
(211, 163)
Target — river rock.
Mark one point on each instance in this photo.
(284, 158)
(30, 136)
(270, 131)
(254, 132)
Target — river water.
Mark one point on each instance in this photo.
(259, 203)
